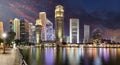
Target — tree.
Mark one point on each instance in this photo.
(1, 40)
(10, 37)
(17, 41)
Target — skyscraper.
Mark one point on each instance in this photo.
(16, 27)
(74, 30)
(59, 23)
(24, 31)
(38, 30)
(42, 17)
(1, 29)
(26, 22)
(86, 34)
(31, 32)
(49, 31)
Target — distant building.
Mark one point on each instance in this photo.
(27, 30)
(34, 34)
(42, 17)
(1, 29)
(66, 39)
(86, 34)
(47, 31)
(59, 23)
(11, 25)
(74, 30)
(50, 33)
(16, 23)
(24, 31)
(38, 30)
(31, 32)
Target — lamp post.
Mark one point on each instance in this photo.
(4, 35)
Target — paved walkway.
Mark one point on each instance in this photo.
(9, 57)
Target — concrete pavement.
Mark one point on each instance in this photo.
(9, 58)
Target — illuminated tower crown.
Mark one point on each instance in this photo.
(59, 23)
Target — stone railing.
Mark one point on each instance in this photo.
(20, 59)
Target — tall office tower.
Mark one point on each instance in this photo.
(27, 30)
(86, 34)
(74, 30)
(34, 34)
(59, 23)
(11, 25)
(16, 27)
(42, 17)
(38, 30)
(24, 29)
(49, 31)
(31, 32)
(1, 29)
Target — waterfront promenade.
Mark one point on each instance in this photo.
(9, 58)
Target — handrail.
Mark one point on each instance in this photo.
(22, 60)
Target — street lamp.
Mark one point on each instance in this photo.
(4, 35)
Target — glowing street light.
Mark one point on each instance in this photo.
(4, 35)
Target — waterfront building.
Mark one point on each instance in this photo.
(16, 26)
(31, 32)
(86, 34)
(1, 29)
(59, 23)
(68, 39)
(42, 17)
(74, 30)
(50, 35)
(38, 30)
(24, 31)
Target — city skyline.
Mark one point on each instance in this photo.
(59, 32)
(105, 13)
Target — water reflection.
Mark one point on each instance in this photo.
(49, 56)
(71, 56)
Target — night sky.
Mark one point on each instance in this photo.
(101, 13)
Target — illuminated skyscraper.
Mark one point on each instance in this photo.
(74, 30)
(31, 32)
(50, 36)
(38, 30)
(59, 23)
(1, 29)
(86, 33)
(26, 29)
(16, 27)
(42, 17)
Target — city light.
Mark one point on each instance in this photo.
(48, 32)
(4, 35)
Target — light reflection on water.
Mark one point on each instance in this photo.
(72, 56)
